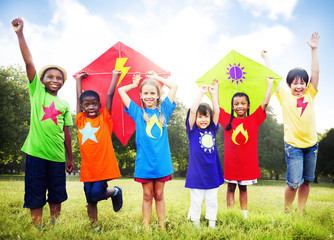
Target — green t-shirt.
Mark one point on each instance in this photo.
(48, 116)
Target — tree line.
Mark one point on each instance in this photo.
(14, 127)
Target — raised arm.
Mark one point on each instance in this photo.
(171, 85)
(268, 93)
(18, 24)
(213, 90)
(111, 91)
(267, 63)
(315, 60)
(123, 90)
(79, 77)
(194, 107)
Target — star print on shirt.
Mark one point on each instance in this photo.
(51, 112)
(88, 133)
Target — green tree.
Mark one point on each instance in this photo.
(178, 139)
(325, 161)
(14, 115)
(271, 146)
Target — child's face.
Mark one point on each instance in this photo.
(53, 80)
(203, 121)
(298, 87)
(149, 95)
(240, 106)
(91, 106)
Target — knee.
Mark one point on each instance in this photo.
(158, 196)
(148, 196)
(231, 187)
(95, 196)
(306, 183)
(243, 188)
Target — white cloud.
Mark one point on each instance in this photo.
(273, 8)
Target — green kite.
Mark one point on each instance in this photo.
(237, 73)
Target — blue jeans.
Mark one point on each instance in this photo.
(95, 191)
(301, 164)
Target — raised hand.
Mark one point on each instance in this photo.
(204, 89)
(314, 41)
(136, 78)
(17, 24)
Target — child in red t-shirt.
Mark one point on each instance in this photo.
(98, 161)
(241, 165)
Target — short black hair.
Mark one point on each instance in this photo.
(89, 93)
(296, 73)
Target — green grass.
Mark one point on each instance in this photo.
(266, 219)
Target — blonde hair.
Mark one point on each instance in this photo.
(154, 83)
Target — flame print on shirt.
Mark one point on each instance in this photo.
(239, 129)
(150, 125)
(207, 141)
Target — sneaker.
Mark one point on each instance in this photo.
(117, 201)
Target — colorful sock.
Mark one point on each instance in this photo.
(116, 191)
(97, 229)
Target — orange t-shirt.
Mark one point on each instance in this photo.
(98, 161)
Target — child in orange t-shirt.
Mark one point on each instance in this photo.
(98, 161)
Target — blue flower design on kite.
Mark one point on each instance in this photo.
(236, 73)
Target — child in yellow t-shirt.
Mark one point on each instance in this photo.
(300, 135)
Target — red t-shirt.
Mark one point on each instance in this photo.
(98, 161)
(240, 157)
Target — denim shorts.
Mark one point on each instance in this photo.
(301, 164)
(95, 191)
(40, 176)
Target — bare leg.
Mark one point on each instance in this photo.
(36, 216)
(147, 203)
(160, 204)
(230, 195)
(54, 210)
(243, 197)
(92, 213)
(303, 193)
(290, 195)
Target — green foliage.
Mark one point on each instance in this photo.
(271, 146)
(14, 115)
(266, 218)
(178, 139)
(325, 162)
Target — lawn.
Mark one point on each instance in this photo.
(266, 219)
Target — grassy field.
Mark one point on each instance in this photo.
(266, 219)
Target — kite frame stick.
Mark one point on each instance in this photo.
(120, 68)
(109, 73)
(225, 79)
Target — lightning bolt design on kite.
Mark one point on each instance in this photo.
(119, 65)
(302, 104)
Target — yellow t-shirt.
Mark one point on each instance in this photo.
(299, 117)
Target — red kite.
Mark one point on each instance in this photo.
(127, 60)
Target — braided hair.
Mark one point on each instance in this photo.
(154, 83)
(239, 94)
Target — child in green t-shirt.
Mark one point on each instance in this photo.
(49, 136)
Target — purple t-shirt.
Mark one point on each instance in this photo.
(204, 169)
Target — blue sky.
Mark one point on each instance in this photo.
(185, 37)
